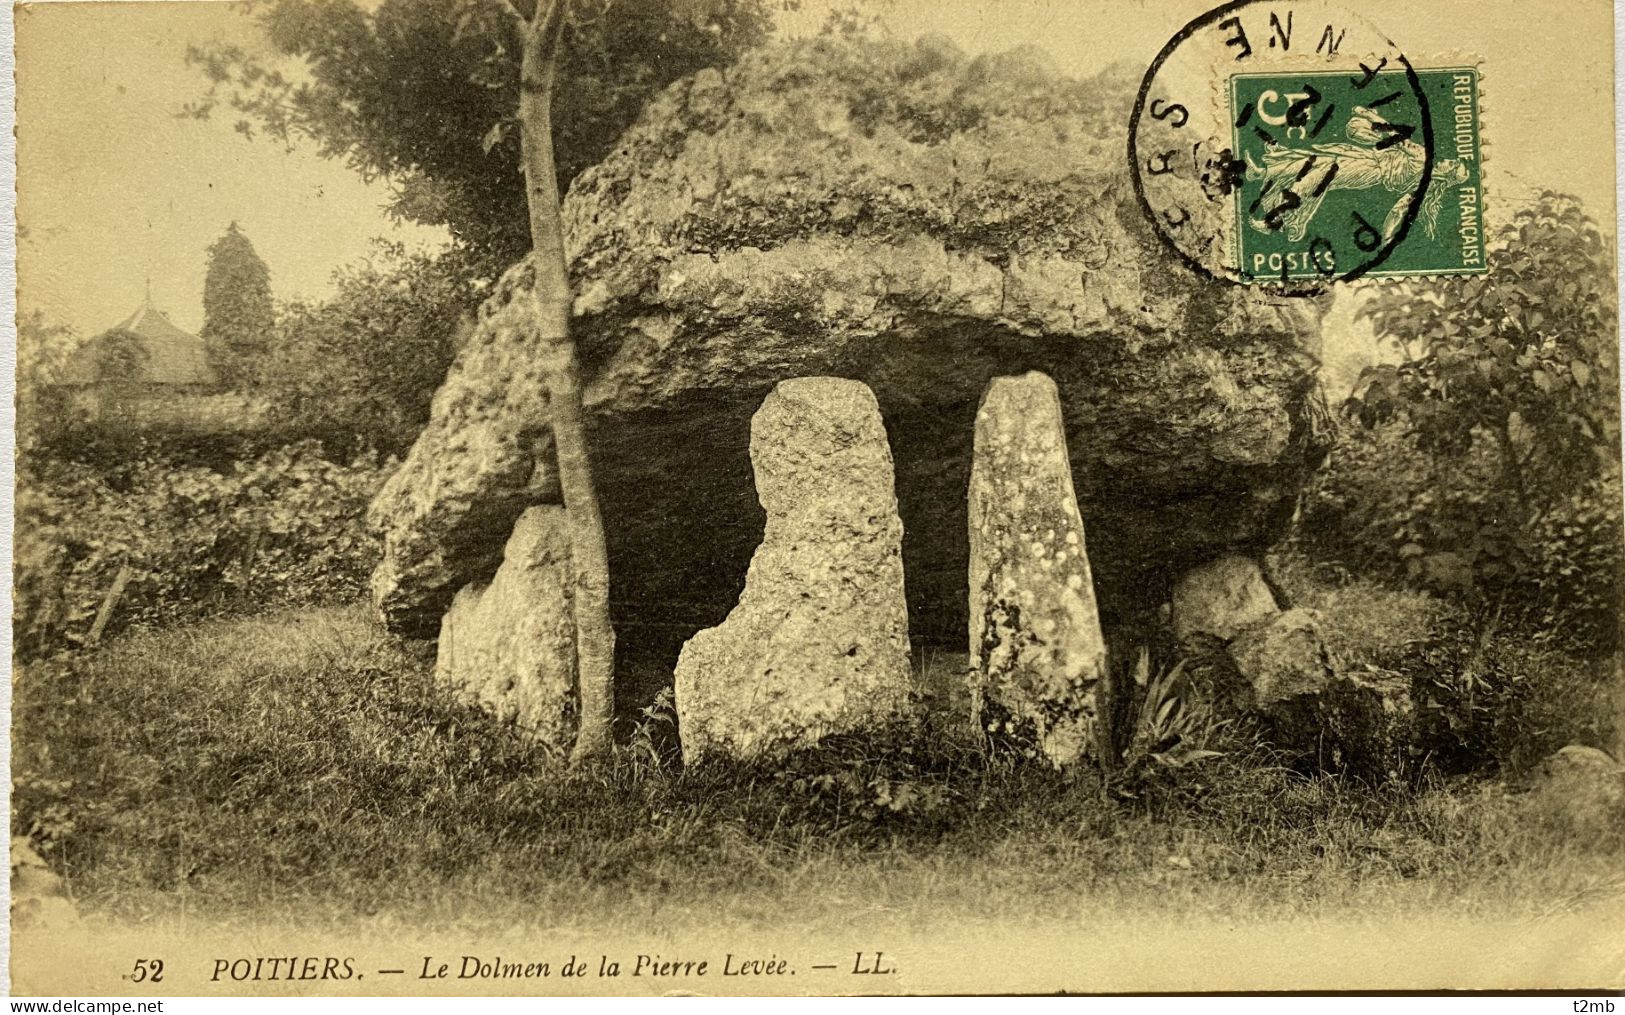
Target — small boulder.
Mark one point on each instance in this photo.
(1583, 787)
(1316, 708)
(1580, 761)
(509, 644)
(818, 642)
(1222, 597)
(1037, 652)
(1283, 656)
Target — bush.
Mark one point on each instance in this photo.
(284, 528)
(1384, 508)
(1485, 465)
(1574, 565)
(358, 371)
(115, 440)
(1487, 696)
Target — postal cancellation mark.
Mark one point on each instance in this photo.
(1294, 144)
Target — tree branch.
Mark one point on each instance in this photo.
(510, 10)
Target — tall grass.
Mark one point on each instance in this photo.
(300, 761)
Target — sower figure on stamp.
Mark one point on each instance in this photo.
(1373, 159)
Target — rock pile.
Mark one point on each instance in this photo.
(1314, 707)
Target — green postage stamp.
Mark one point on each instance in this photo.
(1329, 167)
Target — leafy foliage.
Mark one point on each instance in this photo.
(1175, 726)
(1487, 696)
(358, 371)
(117, 436)
(44, 410)
(1486, 464)
(283, 528)
(237, 310)
(1527, 352)
(118, 357)
(425, 92)
(912, 775)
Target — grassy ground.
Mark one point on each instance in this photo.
(300, 764)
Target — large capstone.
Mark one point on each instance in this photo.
(509, 645)
(819, 641)
(1037, 653)
(892, 213)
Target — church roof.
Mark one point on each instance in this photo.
(173, 356)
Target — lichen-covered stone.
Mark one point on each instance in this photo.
(484, 458)
(1037, 652)
(897, 214)
(818, 643)
(510, 644)
(1221, 597)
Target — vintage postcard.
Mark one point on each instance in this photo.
(581, 497)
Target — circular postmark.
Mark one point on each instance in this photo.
(1282, 143)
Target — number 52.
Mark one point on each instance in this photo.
(147, 970)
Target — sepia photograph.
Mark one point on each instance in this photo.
(816, 498)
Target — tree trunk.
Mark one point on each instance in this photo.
(1520, 510)
(595, 639)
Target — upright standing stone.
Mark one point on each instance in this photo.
(510, 644)
(818, 643)
(1036, 648)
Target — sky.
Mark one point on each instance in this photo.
(115, 189)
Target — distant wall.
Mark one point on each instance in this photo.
(171, 407)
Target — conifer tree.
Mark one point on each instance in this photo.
(237, 311)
